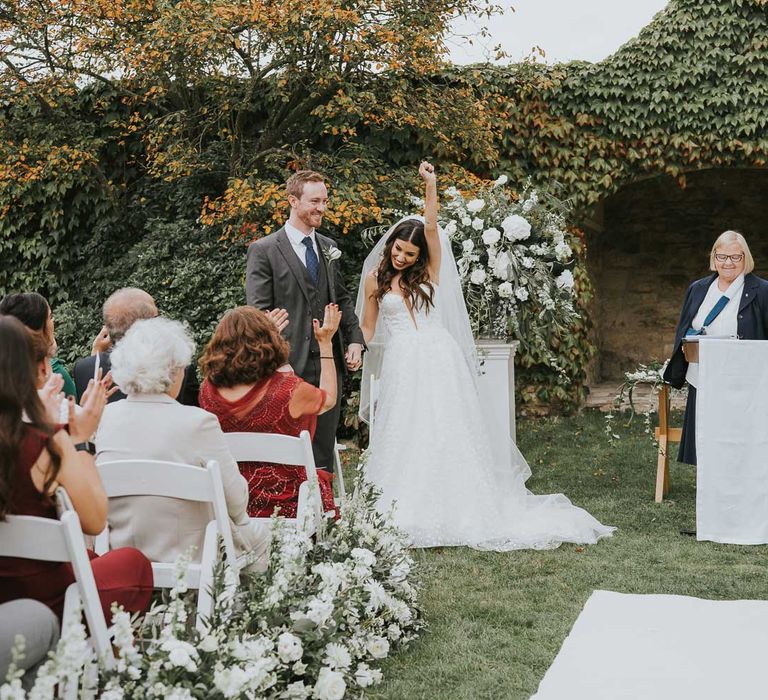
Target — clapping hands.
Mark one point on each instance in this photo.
(279, 318)
(331, 321)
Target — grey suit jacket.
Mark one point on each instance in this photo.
(275, 279)
(154, 426)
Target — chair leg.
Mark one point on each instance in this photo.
(339, 473)
(662, 469)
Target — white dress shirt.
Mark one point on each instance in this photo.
(725, 323)
(296, 238)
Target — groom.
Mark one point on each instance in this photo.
(297, 269)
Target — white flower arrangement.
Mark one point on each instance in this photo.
(516, 270)
(311, 627)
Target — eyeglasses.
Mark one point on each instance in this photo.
(733, 258)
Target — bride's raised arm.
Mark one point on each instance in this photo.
(427, 173)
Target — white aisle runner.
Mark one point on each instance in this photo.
(662, 647)
(732, 442)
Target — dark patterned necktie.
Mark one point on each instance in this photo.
(313, 264)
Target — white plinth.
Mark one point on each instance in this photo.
(497, 385)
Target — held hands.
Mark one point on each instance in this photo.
(331, 321)
(427, 172)
(279, 318)
(354, 357)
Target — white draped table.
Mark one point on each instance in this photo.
(732, 442)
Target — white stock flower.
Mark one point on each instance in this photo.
(477, 276)
(330, 685)
(565, 280)
(501, 266)
(377, 647)
(289, 647)
(521, 293)
(500, 180)
(516, 228)
(491, 236)
(468, 246)
(506, 290)
(562, 251)
(363, 556)
(531, 202)
(337, 656)
(231, 681)
(478, 223)
(475, 205)
(528, 262)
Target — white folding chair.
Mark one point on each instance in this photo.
(288, 450)
(144, 477)
(46, 539)
(341, 491)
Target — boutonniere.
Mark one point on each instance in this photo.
(333, 253)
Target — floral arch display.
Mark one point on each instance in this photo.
(667, 133)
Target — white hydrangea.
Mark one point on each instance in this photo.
(491, 236)
(477, 276)
(516, 228)
(527, 262)
(506, 290)
(475, 205)
(563, 251)
(565, 280)
(521, 293)
(289, 647)
(467, 246)
(330, 685)
(337, 656)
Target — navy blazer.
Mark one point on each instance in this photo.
(752, 321)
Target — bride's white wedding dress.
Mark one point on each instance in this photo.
(429, 451)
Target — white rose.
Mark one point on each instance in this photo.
(516, 228)
(477, 276)
(521, 293)
(466, 221)
(491, 236)
(231, 681)
(501, 266)
(319, 611)
(208, 643)
(475, 205)
(330, 685)
(450, 228)
(467, 246)
(562, 251)
(506, 290)
(181, 658)
(363, 675)
(337, 656)
(377, 647)
(289, 647)
(500, 180)
(477, 224)
(528, 262)
(565, 280)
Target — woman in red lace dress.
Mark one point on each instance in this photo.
(249, 386)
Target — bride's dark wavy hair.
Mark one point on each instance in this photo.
(413, 279)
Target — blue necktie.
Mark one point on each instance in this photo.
(722, 302)
(313, 264)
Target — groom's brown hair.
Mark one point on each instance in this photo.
(295, 183)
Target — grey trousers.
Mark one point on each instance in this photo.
(325, 433)
(39, 626)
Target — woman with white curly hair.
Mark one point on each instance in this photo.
(148, 365)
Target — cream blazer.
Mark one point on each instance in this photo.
(155, 426)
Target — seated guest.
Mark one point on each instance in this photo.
(148, 363)
(730, 302)
(120, 311)
(40, 628)
(33, 310)
(248, 385)
(35, 458)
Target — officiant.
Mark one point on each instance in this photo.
(730, 302)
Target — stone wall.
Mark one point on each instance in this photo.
(649, 241)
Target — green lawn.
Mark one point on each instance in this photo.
(497, 620)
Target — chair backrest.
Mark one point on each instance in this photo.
(46, 539)
(275, 448)
(146, 477)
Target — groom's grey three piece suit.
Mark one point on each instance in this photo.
(277, 278)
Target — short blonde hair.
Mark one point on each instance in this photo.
(726, 238)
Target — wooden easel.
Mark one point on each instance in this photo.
(664, 435)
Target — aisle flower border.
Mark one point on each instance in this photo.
(314, 625)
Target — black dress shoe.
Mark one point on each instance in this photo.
(688, 533)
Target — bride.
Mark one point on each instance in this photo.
(429, 449)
